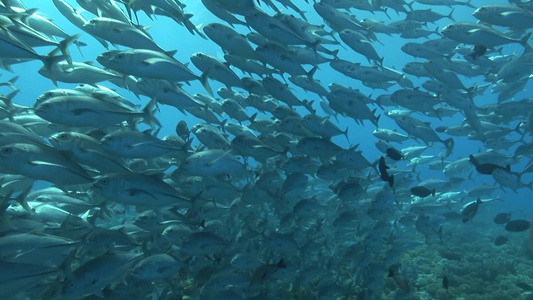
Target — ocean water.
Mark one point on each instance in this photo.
(484, 271)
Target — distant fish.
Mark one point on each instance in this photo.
(383, 171)
(450, 255)
(478, 51)
(265, 271)
(422, 191)
(500, 240)
(502, 218)
(486, 168)
(399, 278)
(394, 153)
(517, 225)
(470, 210)
(445, 283)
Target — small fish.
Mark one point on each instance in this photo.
(422, 191)
(394, 153)
(502, 218)
(445, 283)
(400, 279)
(265, 271)
(500, 240)
(469, 211)
(517, 225)
(486, 168)
(450, 255)
(479, 50)
(383, 172)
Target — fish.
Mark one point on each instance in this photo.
(394, 153)
(502, 218)
(477, 34)
(138, 189)
(487, 168)
(399, 279)
(500, 240)
(422, 191)
(384, 173)
(97, 273)
(265, 271)
(470, 210)
(517, 225)
(154, 267)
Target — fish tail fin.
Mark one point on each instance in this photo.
(469, 4)
(312, 72)
(410, 4)
(377, 120)
(148, 114)
(10, 83)
(64, 44)
(345, 133)
(449, 16)
(252, 117)
(205, 84)
(524, 42)
(8, 100)
(449, 143)
(309, 105)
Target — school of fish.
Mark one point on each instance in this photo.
(260, 198)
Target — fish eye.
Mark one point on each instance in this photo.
(7, 150)
(119, 56)
(104, 181)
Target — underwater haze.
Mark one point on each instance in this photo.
(270, 149)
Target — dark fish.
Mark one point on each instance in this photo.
(265, 271)
(383, 172)
(422, 191)
(445, 283)
(487, 168)
(394, 153)
(500, 240)
(400, 279)
(502, 218)
(517, 225)
(479, 50)
(470, 210)
(182, 130)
